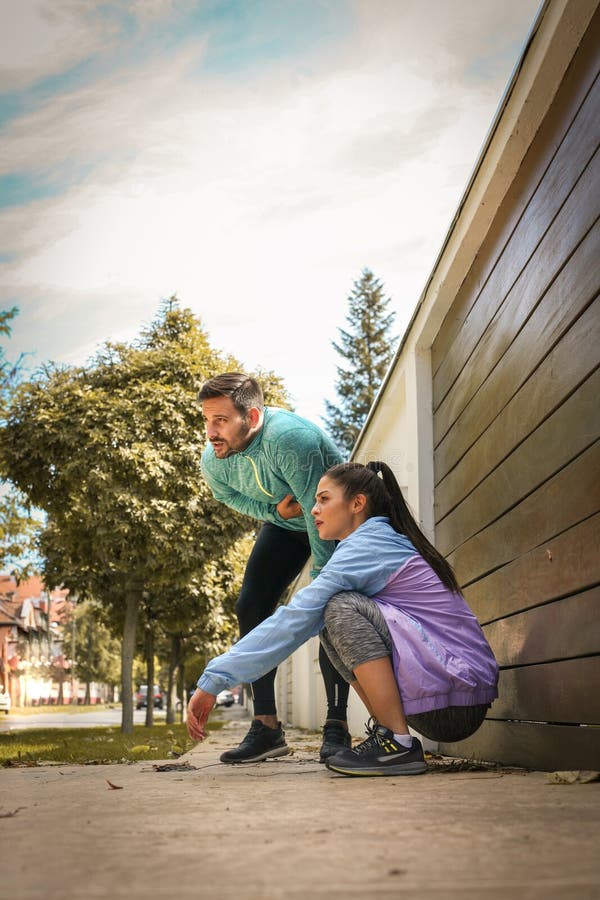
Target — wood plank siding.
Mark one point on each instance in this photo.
(516, 433)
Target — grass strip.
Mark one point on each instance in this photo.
(95, 746)
(67, 709)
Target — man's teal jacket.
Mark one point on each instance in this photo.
(288, 456)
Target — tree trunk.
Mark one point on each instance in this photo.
(88, 693)
(181, 689)
(149, 649)
(132, 605)
(172, 685)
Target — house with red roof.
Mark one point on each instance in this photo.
(33, 666)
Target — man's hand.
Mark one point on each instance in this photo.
(289, 508)
(198, 712)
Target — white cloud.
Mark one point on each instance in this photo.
(258, 201)
(40, 38)
(112, 118)
(149, 11)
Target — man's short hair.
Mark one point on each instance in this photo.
(244, 391)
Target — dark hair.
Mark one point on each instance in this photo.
(384, 498)
(244, 391)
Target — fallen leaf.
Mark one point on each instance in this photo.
(562, 777)
(114, 787)
(140, 748)
(572, 777)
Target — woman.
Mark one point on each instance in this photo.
(392, 620)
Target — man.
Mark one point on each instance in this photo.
(266, 462)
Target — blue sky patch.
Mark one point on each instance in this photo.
(16, 190)
(244, 35)
(19, 189)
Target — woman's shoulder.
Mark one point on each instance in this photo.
(377, 533)
(371, 554)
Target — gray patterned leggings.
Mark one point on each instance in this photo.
(356, 632)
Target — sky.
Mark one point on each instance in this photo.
(251, 157)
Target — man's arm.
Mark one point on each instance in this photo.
(289, 508)
(256, 509)
(302, 462)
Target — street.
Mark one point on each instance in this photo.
(94, 718)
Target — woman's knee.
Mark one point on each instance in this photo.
(338, 607)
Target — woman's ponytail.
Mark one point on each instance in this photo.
(403, 521)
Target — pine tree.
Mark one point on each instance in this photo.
(367, 348)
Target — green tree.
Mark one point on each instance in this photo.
(201, 621)
(18, 531)
(94, 651)
(367, 349)
(8, 370)
(111, 452)
(18, 526)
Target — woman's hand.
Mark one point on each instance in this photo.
(289, 508)
(198, 711)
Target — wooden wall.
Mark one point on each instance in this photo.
(516, 391)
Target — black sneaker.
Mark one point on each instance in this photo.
(261, 742)
(380, 754)
(335, 739)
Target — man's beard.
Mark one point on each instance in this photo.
(239, 444)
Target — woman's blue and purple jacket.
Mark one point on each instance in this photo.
(440, 655)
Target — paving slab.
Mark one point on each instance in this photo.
(288, 828)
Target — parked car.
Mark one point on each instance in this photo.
(141, 697)
(225, 698)
(4, 701)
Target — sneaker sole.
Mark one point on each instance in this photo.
(414, 768)
(268, 754)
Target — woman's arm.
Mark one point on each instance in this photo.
(362, 562)
(357, 565)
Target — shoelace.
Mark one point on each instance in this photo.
(372, 742)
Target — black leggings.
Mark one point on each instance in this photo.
(277, 558)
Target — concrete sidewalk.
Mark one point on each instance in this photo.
(288, 828)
